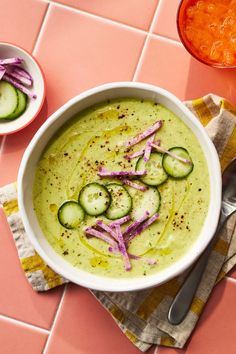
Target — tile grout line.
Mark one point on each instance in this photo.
(24, 324)
(54, 321)
(114, 22)
(140, 61)
(97, 17)
(230, 279)
(41, 30)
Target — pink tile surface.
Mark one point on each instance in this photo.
(132, 12)
(17, 339)
(17, 299)
(215, 332)
(86, 52)
(78, 51)
(165, 22)
(85, 327)
(14, 147)
(21, 21)
(168, 65)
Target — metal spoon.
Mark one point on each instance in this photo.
(182, 302)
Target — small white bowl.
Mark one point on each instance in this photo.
(43, 136)
(8, 50)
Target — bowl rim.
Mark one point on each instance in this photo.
(188, 48)
(155, 278)
(44, 86)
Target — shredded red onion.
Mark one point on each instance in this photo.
(104, 173)
(135, 154)
(138, 230)
(161, 149)
(21, 72)
(102, 236)
(19, 86)
(133, 184)
(148, 148)
(122, 248)
(15, 60)
(120, 221)
(135, 224)
(20, 78)
(152, 129)
(107, 228)
(149, 261)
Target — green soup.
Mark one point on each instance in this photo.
(96, 137)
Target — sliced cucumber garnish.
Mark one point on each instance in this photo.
(22, 102)
(174, 167)
(70, 214)
(8, 99)
(156, 175)
(94, 199)
(150, 201)
(121, 202)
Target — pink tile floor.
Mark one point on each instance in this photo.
(81, 44)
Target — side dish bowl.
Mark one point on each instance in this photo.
(43, 136)
(8, 50)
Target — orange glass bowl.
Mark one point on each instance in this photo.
(202, 31)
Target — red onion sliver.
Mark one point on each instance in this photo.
(138, 230)
(148, 148)
(2, 71)
(123, 248)
(159, 148)
(107, 228)
(19, 86)
(98, 234)
(149, 261)
(21, 72)
(133, 141)
(133, 184)
(20, 78)
(104, 173)
(120, 221)
(15, 60)
(135, 154)
(135, 224)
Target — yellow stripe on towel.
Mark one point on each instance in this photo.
(221, 247)
(34, 263)
(11, 207)
(197, 306)
(230, 150)
(201, 109)
(156, 296)
(117, 313)
(131, 336)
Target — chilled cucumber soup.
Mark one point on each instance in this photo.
(95, 138)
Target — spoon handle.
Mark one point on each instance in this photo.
(182, 302)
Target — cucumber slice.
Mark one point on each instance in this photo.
(174, 167)
(94, 199)
(70, 214)
(8, 99)
(121, 201)
(22, 102)
(150, 201)
(156, 175)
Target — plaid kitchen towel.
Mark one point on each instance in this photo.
(142, 315)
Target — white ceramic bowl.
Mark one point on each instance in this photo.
(48, 129)
(8, 50)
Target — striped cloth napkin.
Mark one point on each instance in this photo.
(142, 315)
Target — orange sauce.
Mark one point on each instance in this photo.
(210, 27)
